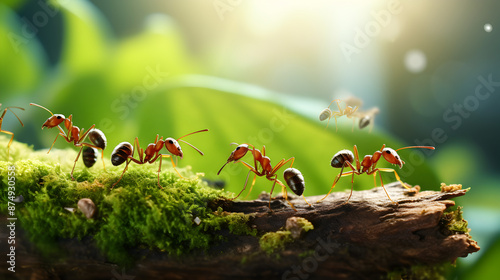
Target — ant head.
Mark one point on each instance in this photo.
(173, 147)
(238, 153)
(235, 155)
(53, 121)
(392, 157)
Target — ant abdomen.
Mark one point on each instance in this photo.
(97, 137)
(325, 114)
(341, 157)
(294, 180)
(364, 121)
(89, 156)
(121, 153)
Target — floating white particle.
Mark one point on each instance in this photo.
(415, 61)
(488, 27)
(197, 221)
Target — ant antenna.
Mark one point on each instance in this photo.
(198, 150)
(42, 108)
(411, 147)
(15, 113)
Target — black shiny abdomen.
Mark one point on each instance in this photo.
(89, 156)
(341, 157)
(294, 180)
(98, 138)
(121, 153)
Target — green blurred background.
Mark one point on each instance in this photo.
(259, 72)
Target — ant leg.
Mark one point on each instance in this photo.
(280, 164)
(246, 181)
(245, 186)
(306, 200)
(159, 169)
(382, 182)
(356, 156)
(74, 165)
(284, 192)
(10, 142)
(336, 127)
(337, 178)
(102, 157)
(173, 164)
(352, 187)
(397, 176)
(271, 193)
(124, 170)
(53, 144)
(251, 186)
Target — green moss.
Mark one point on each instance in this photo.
(421, 272)
(304, 223)
(134, 214)
(453, 222)
(275, 241)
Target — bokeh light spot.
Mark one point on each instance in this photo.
(415, 61)
(488, 27)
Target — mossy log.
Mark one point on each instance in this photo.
(368, 238)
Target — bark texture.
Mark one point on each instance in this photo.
(363, 239)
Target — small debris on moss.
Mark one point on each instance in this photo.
(298, 226)
(87, 207)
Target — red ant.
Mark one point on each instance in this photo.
(293, 177)
(8, 132)
(125, 152)
(346, 158)
(96, 136)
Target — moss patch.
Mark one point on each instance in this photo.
(275, 241)
(136, 213)
(453, 222)
(421, 272)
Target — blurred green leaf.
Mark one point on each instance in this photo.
(87, 37)
(146, 59)
(21, 54)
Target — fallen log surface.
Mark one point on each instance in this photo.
(364, 239)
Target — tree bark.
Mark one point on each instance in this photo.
(363, 239)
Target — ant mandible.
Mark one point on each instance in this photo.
(346, 158)
(125, 152)
(348, 111)
(8, 132)
(293, 177)
(96, 136)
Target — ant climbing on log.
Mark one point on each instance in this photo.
(125, 152)
(348, 111)
(8, 132)
(293, 177)
(346, 158)
(75, 135)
